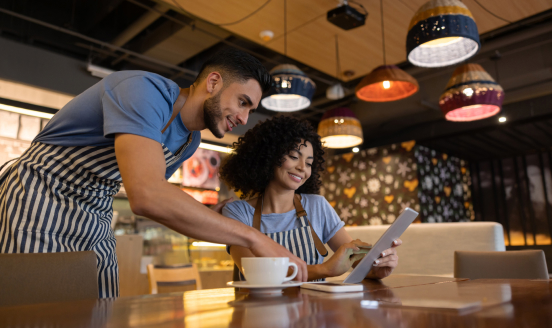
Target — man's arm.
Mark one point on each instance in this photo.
(142, 166)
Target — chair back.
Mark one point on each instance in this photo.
(526, 264)
(173, 275)
(129, 258)
(47, 277)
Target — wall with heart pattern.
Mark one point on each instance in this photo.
(373, 186)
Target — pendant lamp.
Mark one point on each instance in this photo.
(291, 89)
(471, 94)
(386, 82)
(336, 91)
(339, 128)
(441, 33)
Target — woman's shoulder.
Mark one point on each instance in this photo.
(239, 204)
(313, 199)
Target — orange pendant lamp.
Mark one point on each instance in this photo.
(386, 82)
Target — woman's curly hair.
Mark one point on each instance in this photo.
(251, 167)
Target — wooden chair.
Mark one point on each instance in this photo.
(129, 257)
(47, 277)
(173, 275)
(528, 264)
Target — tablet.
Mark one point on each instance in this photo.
(385, 241)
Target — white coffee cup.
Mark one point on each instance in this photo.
(267, 270)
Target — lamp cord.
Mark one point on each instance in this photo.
(239, 20)
(285, 28)
(338, 66)
(490, 12)
(382, 33)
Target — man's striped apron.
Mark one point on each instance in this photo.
(302, 242)
(59, 199)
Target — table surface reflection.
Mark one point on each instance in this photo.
(397, 301)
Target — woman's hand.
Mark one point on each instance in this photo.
(342, 260)
(385, 265)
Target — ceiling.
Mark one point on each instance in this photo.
(311, 38)
(174, 38)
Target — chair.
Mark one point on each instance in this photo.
(527, 264)
(172, 275)
(129, 257)
(47, 277)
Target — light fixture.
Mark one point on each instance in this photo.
(339, 128)
(502, 119)
(441, 33)
(24, 111)
(206, 244)
(386, 82)
(291, 89)
(356, 150)
(336, 91)
(266, 35)
(98, 71)
(220, 149)
(471, 94)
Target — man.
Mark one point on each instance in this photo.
(135, 127)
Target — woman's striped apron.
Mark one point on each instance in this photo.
(59, 199)
(302, 242)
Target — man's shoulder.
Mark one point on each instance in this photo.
(138, 77)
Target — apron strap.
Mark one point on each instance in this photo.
(300, 212)
(258, 213)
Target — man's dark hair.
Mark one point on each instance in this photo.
(236, 65)
(251, 167)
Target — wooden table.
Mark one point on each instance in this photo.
(392, 302)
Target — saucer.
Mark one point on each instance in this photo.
(263, 289)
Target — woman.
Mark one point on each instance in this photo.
(276, 166)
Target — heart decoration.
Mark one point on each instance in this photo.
(434, 161)
(348, 157)
(408, 145)
(447, 191)
(437, 199)
(349, 191)
(411, 185)
(389, 199)
(333, 203)
(386, 160)
(331, 169)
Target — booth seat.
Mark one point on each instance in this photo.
(428, 248)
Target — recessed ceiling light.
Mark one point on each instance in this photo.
(355, 150)
(266, 35)
(502, 119)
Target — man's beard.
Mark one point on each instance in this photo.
(212, 115)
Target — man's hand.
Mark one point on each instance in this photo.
(218, 208)
(267, 247)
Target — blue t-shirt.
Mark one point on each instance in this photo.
(321, 215)
(134, 102)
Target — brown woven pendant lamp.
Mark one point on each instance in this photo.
(386, 82)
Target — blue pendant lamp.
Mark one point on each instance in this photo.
(291, 89)
(442, 33)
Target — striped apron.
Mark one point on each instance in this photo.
(59, 199)
(302, 242)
